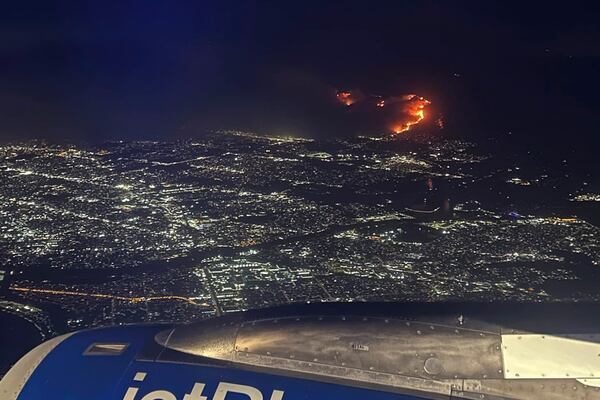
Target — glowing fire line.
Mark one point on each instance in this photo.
(409, 109)
(414, 109)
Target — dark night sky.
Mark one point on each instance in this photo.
(145, 69)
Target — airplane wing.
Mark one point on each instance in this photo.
(315, 353)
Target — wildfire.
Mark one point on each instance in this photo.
(440, 122)
(413, 110)
(400, 112)
(346, 98)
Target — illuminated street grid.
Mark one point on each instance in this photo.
(148, 231)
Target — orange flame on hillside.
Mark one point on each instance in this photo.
(414, 108)
(404, 111)
(346, 98)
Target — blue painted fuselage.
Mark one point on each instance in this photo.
(67, 373)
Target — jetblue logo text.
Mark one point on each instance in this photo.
(195, 393)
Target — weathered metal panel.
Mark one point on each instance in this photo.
(373, 344)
